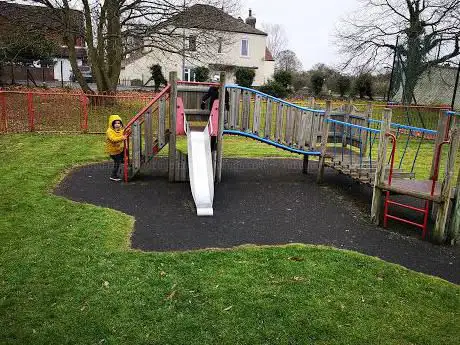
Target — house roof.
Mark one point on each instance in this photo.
(208, 17)
(39, 17)
(268, 55)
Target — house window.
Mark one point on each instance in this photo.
(192, 43)
(189, 75)
(219, 45)
(244, 47)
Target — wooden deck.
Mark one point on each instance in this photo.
(359, 169)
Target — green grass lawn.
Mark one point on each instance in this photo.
(68, 276)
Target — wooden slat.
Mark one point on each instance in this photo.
(148, 134)
(233, 113)
(256, 119)
(324, 136)
(220, 132)
(196, 112)
(307, 120)
(161, 121)
(136, 145)
(246, 110)
(298, 129)
(172, 125)
(289, 131)
(184, 164)
(279, 121)
(315, 123)
(268, 119)
(302, 130)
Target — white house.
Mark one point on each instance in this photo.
(212, 38)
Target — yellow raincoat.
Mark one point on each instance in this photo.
(114, 138)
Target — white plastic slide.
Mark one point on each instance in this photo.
(200, 169)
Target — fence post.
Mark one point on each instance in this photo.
(30, 109)
(172, 125)
(220, 132)
(439, 231)
(324, 137)
(3, 120)
(84, 109)
(379, 178)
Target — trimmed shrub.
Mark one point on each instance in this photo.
(245, 76)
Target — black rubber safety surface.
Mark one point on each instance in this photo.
(262, 202)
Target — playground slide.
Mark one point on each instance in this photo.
(200, 169)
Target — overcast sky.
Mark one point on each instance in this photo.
(309, 24)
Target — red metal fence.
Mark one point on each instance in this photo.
(65, 112)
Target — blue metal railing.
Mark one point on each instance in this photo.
(231, 86)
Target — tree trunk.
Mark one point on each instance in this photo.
(414, 60)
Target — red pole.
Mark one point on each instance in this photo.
(125, 159)
(30, 108)
(84, 107)
(3, 122)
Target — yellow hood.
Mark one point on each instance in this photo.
(114, 118)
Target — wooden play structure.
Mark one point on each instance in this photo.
(372, 151)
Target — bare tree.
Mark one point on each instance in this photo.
(277, 40)
(114, 29)
(428, 31)
(288, 61)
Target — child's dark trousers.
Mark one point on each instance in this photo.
(117, 160)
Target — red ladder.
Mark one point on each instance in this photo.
(425, 209)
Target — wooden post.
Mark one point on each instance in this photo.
(162, 122)
(365, 137)
(439, 231)
(136, 130)
(324, 137)
(148, 134)
(305, 164)
(377, 196)
(220, 133)
(172, 125)
(346, 118)
(441, 130)
(454, 231)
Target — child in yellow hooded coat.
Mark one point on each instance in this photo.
(114, 144)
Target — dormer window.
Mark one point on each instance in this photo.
(245, 47)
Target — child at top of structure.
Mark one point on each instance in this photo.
(114, 144)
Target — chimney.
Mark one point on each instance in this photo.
(251, 20)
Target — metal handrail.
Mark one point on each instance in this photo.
(231, 86)
(348, 124)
